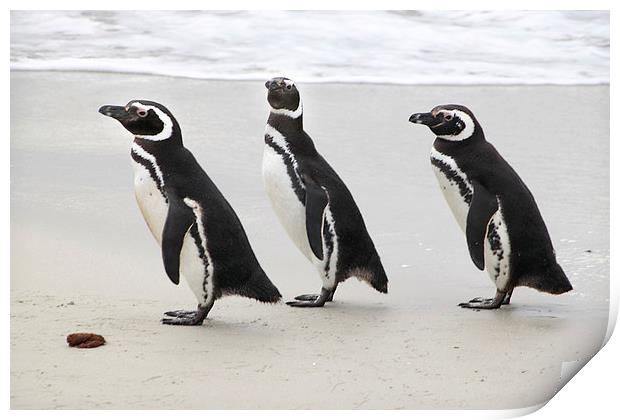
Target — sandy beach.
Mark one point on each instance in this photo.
(82, 258)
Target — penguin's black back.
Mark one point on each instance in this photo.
(236, 269)
(356, 248)
(533, 261)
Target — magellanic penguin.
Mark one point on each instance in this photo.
(505, 232)
(312, 202)
(201, 238)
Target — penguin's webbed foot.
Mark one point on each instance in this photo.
(480, 303)
(312, 297)
(181, 314)
(312, 301)
(306, 303)
(182, 317)
(486, 304)
(479, 300)
(309, 297)
(182, 321)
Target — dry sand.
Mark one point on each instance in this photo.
(83, 260)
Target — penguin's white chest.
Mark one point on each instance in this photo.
(458, 192)
(287, 206)
(454, 185)
(195, 269)
(151, 202)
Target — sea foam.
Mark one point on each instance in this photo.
(412, 47)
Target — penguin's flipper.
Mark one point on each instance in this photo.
(482, 208)
(316, 201)
(180, 218)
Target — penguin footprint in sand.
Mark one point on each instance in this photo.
(201, 238)
(505, 232)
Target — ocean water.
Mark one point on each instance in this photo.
(408, 47)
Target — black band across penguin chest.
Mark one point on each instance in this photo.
(152, 169)
(453, 175)
(290, 162)
(454, 184)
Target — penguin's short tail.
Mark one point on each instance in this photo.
(379, 280)
(552, 280)
(259, 287)
(373, 274)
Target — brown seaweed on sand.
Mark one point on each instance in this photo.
(85, 340)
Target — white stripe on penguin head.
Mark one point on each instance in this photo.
(166, 131)
(293, 114)
(466, 132)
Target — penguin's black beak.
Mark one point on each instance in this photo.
(114, 111)
(426, 118)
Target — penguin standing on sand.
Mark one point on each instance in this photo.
(201, 238)
(505, 231)
(313, 204)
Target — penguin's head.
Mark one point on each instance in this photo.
(449, 122)
(283, 97)
(144, 119)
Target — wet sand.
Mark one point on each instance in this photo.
(82, 258)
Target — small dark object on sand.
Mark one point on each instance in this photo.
(85, 340)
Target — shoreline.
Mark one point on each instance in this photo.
(313, 82)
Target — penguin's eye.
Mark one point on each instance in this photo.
(141, 113)
(289, 87)
(448, 117)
